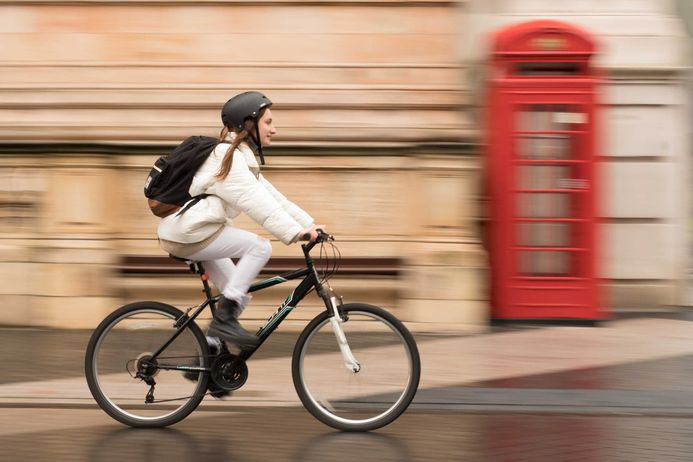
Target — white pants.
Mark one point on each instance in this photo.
(233, 280)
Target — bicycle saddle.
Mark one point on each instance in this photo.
(187, 261)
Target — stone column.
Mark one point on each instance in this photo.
(22, 188)
(73, 252)
(445, 276)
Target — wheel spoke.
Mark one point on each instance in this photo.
(379, 391)
(126, 380)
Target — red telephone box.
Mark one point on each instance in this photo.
(541, 169)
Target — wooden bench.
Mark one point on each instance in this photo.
(355, 266)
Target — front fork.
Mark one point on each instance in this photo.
(333, 303)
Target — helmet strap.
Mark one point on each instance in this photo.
(259, 143)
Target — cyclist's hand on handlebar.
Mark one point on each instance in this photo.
(308, 234)
(315, 233)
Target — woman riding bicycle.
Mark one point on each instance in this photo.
(148, 364)
(232, 179)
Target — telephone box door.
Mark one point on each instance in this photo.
(551, 219)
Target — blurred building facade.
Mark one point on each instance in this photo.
(378, 110)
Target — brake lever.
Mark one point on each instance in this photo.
(324, 235)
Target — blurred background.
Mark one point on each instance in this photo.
(398, 128)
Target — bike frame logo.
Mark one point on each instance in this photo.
(283, 309)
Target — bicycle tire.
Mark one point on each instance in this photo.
(105, 401)
(324, 412)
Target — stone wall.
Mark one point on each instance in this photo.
(374, 141)
(376, 104)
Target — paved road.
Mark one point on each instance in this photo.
(269, 434)
(619, 392)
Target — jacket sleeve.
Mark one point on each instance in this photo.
(292, 209)
(244, 192)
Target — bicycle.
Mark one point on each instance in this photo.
(355, 367)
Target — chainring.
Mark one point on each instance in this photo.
(229, 372)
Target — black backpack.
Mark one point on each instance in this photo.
(171, 176)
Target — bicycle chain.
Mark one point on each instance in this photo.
(172, 399)
(128, 364)
(182, 397)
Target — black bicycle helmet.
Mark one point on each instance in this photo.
(242, 107)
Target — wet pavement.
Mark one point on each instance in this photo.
(622, 391)
(293, 435)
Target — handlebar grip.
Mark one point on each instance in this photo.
(322, 236)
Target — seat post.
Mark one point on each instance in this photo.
(197, 268)
(204, 277)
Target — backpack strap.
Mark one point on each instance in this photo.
(192, 202)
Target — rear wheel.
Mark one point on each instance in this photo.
(357, 400)
(118, 365)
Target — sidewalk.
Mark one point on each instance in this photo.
(637, 365)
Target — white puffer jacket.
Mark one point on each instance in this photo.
(243, 190)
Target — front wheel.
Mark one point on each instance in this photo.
(120, 369)
(356, 398)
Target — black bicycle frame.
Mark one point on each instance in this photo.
(310, 280)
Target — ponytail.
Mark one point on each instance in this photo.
(249, 126)
(226, 163)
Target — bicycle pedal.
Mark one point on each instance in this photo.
(217, 392)
(191, 375)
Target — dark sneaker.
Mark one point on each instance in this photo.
(232, 331)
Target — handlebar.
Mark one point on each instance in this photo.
(322, 237)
